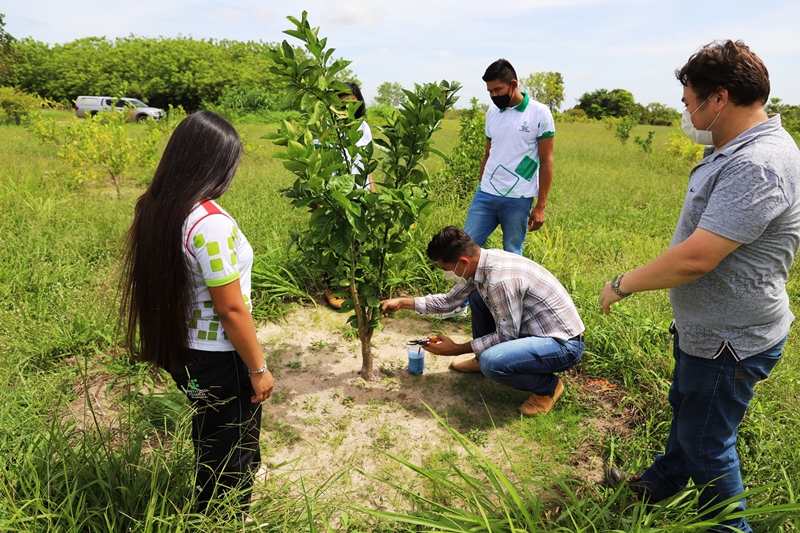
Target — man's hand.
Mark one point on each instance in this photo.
(392, 304)
(608, 297)
(395, 304)
(263, 383)
(446, 346)
(536, 218)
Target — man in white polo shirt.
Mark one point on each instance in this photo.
(517, 165)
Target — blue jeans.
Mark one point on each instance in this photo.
(527, 364)
(488, 210)
(709, 398)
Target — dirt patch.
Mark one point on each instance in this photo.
(324, 419)
(327, 427)
(95, 397)
(615, 420)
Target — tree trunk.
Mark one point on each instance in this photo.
(364, 331)
(365, 337)
(366, 355)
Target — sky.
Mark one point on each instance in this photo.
(634, 45)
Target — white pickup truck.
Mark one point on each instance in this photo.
(140, 111)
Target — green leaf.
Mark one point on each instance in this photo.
(295, 166)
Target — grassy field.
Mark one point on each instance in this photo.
(125, 464)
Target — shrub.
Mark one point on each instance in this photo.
(790, 114)
(463, 166)
(15, 105)
(572, 115)
(380, 115)
(622, 126)
(645, 144)
(657, 114)
(102, 147)
(684, 148)
(249, 103)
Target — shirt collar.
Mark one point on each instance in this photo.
(480, 272)
(771, 125)
(520, 106)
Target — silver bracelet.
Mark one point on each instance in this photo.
(260, 370)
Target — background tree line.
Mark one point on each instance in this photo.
(162, 71)
(234, 78)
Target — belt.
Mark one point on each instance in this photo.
(578, 338)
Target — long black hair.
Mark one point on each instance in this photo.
(199, 163)
(361, 110)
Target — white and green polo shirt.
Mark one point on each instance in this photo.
(218, 254)
(512, 169)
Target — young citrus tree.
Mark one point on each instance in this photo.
(104, 147)
(354, 235)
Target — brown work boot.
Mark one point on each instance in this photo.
(467, 365)
(334, 301)
(539, 405)
(614, 477)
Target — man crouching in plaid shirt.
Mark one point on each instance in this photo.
(525, 327)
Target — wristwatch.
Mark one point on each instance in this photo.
(616, 289)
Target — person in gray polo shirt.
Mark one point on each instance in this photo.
(726, 271)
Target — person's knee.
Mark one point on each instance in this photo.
(487, 364)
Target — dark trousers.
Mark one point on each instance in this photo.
(482, 319)
(225, 426)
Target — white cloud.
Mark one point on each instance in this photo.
(444, 54)
(229, 14)
(263, 13)
(351, 13)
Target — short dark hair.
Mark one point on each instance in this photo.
(450, 244)
(500, 70)
(727, 65)
(355, 91)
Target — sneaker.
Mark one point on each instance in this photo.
(539, 405)
(614, 477)
(334, 302)
(468, 365)
(458, 312)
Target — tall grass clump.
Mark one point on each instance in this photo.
(476, 494)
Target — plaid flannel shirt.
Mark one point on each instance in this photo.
(525, 300)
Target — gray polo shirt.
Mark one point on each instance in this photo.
(749, 192)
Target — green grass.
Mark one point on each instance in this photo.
(612, 207)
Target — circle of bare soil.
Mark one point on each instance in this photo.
(325, 423)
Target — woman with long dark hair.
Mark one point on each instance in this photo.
(186, 302)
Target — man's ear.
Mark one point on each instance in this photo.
(720, 98)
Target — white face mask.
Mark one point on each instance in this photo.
(698, 136)
(455, 278)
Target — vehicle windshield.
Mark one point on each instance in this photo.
(134, 102)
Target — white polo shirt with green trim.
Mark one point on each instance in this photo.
(512, 168)
(218, 254)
